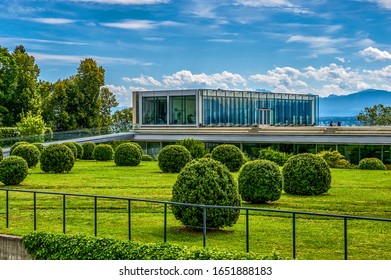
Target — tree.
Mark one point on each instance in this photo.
(376, 115)
(108, 101)
(8, 82)
(89, 79)
(122, 120)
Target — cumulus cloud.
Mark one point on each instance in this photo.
(122, 94)
(143, 80)
(373, 54)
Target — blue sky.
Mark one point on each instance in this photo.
(321, 46)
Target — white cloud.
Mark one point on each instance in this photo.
(340, 59)
(122, 94)
(51, 20)
(281, 76)
(285, 5)
(125, 2)
(382, 3)
(139, 24)
(374, 54)
(144, 81)
(316, 42)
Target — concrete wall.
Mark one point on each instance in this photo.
(11, 248)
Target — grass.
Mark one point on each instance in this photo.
(353, 192)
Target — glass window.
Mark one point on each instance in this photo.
(154, 110)
(182, 109)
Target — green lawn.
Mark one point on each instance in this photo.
(353, 192)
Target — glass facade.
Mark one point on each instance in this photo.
(205, 107)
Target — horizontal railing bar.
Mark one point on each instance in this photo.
(203, 205)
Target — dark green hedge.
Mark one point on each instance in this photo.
(8, 132)
(43, 246)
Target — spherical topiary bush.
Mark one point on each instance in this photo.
(206, 181)
(57, 158)
(88, 150)
(79, 149)
(103, 152)
(127, 154)
(17, 144)
(13, 170)
(229, 155)
(146, 158)
(260, 181)
(73, 148)
(173, 158)
(29, 152)
(194, 146)
(40, 146)
(138, 146)
(371, 164)
(306, 174)
(278, 157)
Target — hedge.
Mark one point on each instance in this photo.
(44, 246)
(13, 170)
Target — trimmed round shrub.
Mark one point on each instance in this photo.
(278, 157)
(103, 152)
(13, 170)
(146, 158)
(332, 158)
(138, 146)
(57, 158)
(17, 144)
(88, 150)
(206, 181)
(194, 146)
(260, 181)
(127, 154)
(173, 158)
(229, 155)
(29, 152)
(73, 148)
(79, 149)
(306, 174)
(40, 146)
(371, 164)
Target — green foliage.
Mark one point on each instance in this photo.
(44, 246)
(278, 157)
(230, 155)
(260, 181)
(194, 146)
(122, 120)
(73, 148)
(57, 158)
(13, 170)
(146, 158)
(108, 101)
(29, 152)
(16, 145)
(32, 127)
(103, 152)
(306, 174)
(88, 150)
(371, 164)
(8, 132)
(376, 115)
(1, 154)
(334, 159)
(40, 146)
(79, 149)
(127, 154)
(173, 158)
(209, 182)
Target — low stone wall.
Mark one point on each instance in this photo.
(11, 248)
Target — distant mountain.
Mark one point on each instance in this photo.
(352, 104)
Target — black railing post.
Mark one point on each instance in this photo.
(247, 233)
(294, 235)
(204, 225)
(64, 208)
(345, 237)
(6, 209)
(129, 221)
(95, 216)
(165, 222)
(35, 211)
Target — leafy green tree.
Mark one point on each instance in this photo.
(86, 98)
(32, 126)
(108, 101)
(8, 83)
(122, 120)
(26, 97)
(376, 115)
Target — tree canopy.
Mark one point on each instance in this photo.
(376, 115)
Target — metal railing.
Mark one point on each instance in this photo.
(165, 204)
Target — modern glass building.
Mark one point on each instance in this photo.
(207, 107)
